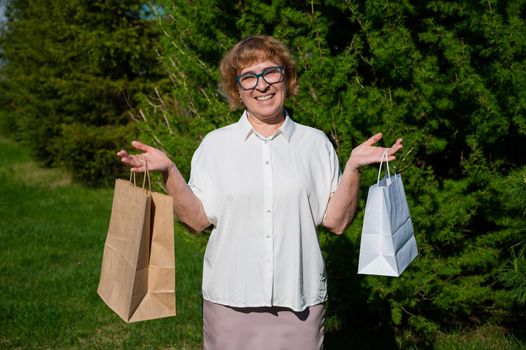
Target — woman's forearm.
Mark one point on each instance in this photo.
(187, 207)
(343, 204)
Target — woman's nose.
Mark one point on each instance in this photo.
(262, 85)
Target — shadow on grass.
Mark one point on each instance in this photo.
(352, 322)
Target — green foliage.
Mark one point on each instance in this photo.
(512, 190)
(90, 151)
(514, 276)
(74, 64)
(448, 77)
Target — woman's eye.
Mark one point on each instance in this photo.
(248, 78)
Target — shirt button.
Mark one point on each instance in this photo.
(268, 236)
(268, 211)
(267, 162)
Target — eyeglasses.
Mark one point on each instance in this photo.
(271, 75)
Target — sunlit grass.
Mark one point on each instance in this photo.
(52, 235)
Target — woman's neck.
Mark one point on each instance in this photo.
(268, 126)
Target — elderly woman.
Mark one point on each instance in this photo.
(265, 183)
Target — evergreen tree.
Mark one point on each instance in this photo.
(448, 77)
(72, 71)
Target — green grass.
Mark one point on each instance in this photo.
(52, 235)
(487, 337)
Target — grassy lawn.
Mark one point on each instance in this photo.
(52, 235)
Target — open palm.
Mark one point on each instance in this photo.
(151, 157)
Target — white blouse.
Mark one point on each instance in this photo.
(265, 197)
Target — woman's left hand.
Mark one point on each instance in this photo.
(366, 153)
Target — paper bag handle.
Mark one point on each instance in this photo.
(146, 175)
(386, 156)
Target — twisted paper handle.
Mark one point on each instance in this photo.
(146, 175)
(386, 156)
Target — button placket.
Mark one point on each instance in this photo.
(267, 218)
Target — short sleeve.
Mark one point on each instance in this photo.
(334, 166)
(200, 182)
(334, 174)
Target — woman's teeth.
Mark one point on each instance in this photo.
(263, 98)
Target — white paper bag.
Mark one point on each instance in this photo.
(388, 243)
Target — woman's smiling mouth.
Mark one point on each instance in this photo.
(264, 97)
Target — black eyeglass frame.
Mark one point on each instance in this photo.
(260, 75)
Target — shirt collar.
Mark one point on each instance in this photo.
(246, 130)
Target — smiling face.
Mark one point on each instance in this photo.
(265, 102)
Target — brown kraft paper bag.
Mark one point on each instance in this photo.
(137, 278)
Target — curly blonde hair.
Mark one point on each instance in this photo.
(255, 49)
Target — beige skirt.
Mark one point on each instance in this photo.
(265, 328)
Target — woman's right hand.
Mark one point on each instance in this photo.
(155, 159)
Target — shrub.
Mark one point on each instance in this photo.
(448, 77)
(72, 65)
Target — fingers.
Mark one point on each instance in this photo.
(138, 169)
(368, 153)
(374, 139)
(140, 146)
(396, 147)
(123, 154)
(135, 162)
(384, 154)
